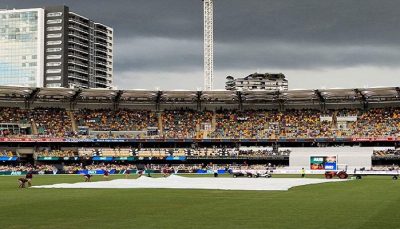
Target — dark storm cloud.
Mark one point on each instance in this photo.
(346, 21)
(159, 53)
(166, 35)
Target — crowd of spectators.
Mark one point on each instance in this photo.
(15, 167)
(263, 152)
(40, 168)
(73, 168)
(171, 168)
(116, 120)
(52, 122)
(306, 124)
(7, 153)
(176, 152)
(14, 115)
(377, 122)
(184, 123)
(341, 112)
(105, 152)
(11, 117)
(56, 153)
(239, 124)
(386, 153)
(385, 167)
(271, 125)
(223, 124)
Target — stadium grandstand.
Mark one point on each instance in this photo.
(64, 130)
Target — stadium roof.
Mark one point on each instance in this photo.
(379, 94)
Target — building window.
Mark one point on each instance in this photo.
(14, 15)
(54, 14)
(54, 35)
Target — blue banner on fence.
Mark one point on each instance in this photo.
(8, 158)
(221, 171)
(102, 158)
(330, 166)
(201, 171)
(204, 171)
(171, 158)
(96, 172)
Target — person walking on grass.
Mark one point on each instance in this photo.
(127, 173)
(22, 181)
(303, 172)
(87, 177)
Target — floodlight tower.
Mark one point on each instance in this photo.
(208, 44)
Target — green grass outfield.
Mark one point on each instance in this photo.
(372, 202)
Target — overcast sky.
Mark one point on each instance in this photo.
(315, 43)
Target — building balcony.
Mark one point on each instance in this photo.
(78, 28)
(79, 70)
(75, 41)
(101, 63)
(77, 55)
(78, 77)
(79, 63)
(78, 49)
(100, 73)
(99, 56)
(101, 40)
(101, 28)
(101, 49)
(101, 52)
(102, 83)
(98, 68)
(78, 35)
(79, 21)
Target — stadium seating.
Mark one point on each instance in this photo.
(105, 152)
(189, 124)
(56, 153)
(51, 122)
(7, 153)
(119, 120)
(386, 153)
(184, 123)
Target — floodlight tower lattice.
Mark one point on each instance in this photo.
(208, 44)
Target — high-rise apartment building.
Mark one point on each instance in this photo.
(53, 47)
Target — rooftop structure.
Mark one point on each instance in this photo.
(258, 82)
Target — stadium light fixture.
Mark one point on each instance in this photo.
(208, 44)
